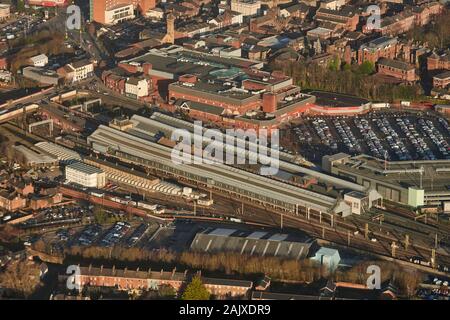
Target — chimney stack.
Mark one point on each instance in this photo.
(269, 102)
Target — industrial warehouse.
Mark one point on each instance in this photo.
(252, 243)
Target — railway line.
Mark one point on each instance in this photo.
(280, 194)
(310, 216)
(313, 220)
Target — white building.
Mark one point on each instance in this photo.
(5, 11)
(81, 70)
(85, 175)
(230, 52)
(155, 13)
(136, 88)
(332, 4)
(358, 201)
(246, 7)
(40, 60)
(327, 257)
(119, 14)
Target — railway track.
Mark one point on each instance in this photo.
(342, 231)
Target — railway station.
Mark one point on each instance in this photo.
(414, 183)
(238, 183)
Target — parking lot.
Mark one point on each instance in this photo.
(18, 27)
(388, 135)
(127, 234)
(135, 233)
(58, 215)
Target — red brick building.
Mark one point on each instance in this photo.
(346, 18)
(441, 80)
(408, 18)
(124, 279)
(439, 62)
(397, 69)
(11, 200)
(114, 81)
(40, 202)
(397, 24)
(424, 12)
(99, 8)
(233, 101)
(383, 47)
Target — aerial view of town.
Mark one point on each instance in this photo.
(232, 150)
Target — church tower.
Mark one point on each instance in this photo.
(170, 35)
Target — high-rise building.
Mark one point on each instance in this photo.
(115, 11)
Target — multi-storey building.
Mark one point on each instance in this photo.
(85, 175)
(424, 12)
(438, 62)
(397, 24)
(346, 18)
(441, 80)
(77, 71)
(11, 201)
(137, 87)
(246, 7)
(383, 47)
(115, 11)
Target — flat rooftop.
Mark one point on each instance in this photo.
(435, 176)
(331, 99)
(216, 88)
(185, 61)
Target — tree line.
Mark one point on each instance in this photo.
(348, 79)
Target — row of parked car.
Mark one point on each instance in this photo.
(395, 143)
(371, 139)
(415, 138)
(89, 234)
(114, 234)
(303, 133)
(18, 28)
(324, 133)
(347, 136)
(137, 234)
(436, 136)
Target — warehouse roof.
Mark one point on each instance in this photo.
(60, 152)
(252, 243)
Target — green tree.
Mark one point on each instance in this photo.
(20, 5)
(195, 290)
(367, 67)
(335, 64)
